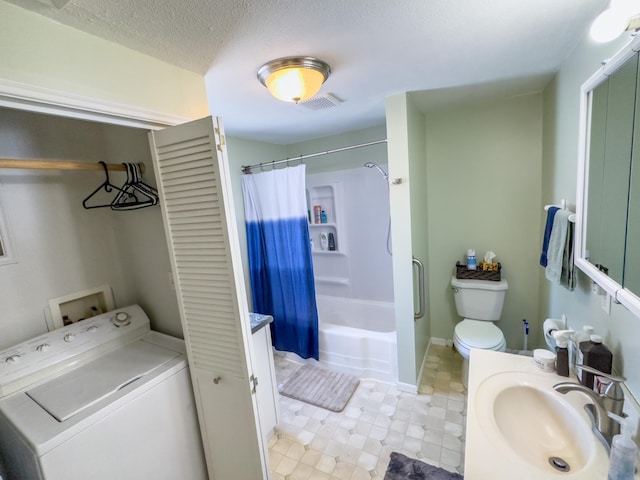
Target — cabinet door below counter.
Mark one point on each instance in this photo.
(267, 389)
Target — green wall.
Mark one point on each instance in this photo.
(483, 182)
(620, 329)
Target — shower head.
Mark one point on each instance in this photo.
(377, 167)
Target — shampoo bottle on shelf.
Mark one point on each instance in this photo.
(323, 217)
(332, 242)
(622, 460)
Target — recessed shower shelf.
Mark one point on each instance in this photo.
(325, 225)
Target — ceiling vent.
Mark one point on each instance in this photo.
(321, 102)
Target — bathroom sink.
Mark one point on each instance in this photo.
(535, 422)
(517, 423)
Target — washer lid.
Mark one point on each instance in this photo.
(479, 334)
(69, 394)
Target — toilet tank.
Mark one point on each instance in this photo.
(479, 299)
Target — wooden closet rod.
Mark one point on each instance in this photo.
(61, 165)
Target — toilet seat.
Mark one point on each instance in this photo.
(480, 334)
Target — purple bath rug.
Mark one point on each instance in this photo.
(402, 467)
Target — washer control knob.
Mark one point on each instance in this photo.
(12, 359)
(92, 329)
(43, 347)
(121, 319)
(69, 337)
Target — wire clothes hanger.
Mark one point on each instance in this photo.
(106, 186)
(135, 193)
(132, 195)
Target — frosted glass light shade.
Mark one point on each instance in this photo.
(609, 25)
(294, 79)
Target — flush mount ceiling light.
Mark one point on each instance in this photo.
(622, 15)
(294, 79)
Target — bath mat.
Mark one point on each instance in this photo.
(402, 467)
(320, 387)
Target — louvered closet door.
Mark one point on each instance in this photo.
(197, 207)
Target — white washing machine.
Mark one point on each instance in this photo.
(102, 399)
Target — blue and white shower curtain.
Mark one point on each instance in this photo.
(280, 257)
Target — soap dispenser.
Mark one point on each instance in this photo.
(622, 460)
(562, 351)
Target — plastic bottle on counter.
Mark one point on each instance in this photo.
(575, 354)
(471, 259)
(562, 351)
(595, 354)
(622, 460)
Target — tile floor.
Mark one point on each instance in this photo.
(312, 443)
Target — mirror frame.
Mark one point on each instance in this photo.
(621, 295)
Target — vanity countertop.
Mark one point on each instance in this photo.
(486, 455)
(259, 320)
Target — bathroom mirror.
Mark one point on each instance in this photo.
(608, 201)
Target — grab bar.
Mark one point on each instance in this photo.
(420, 266)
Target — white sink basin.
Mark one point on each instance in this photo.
(518, 426)
(536, 423)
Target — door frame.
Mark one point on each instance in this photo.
(23, 96)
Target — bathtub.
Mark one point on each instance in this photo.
(357, 337)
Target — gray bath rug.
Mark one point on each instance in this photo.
(402, 467)
(320, 387)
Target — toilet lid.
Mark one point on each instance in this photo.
(479, 334)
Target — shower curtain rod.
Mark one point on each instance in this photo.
(36, 164)
(247, 168)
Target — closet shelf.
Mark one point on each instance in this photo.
(35, 164)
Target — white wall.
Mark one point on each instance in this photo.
(362, 206)
(63, 248)
(620, 329)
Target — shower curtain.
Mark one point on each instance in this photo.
(280, 257)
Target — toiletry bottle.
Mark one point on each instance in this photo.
(317, 211)
(323, 217)
(324, 240)
(596, 355)
(471, 259)
(622, 459)
(575, 354)
(332, 242)
(562, 351)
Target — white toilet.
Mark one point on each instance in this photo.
(479, 303)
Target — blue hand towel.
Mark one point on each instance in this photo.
(551, 213)
(556, 247)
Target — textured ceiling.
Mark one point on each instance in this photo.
(447, 49)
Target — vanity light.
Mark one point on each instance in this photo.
(620, 16)
(294, 79)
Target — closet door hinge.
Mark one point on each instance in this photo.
(253, 380)
(221, 137)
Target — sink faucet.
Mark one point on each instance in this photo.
(612, 400)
